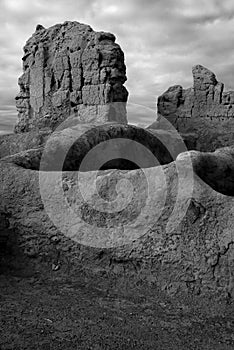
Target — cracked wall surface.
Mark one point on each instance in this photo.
(71, 69)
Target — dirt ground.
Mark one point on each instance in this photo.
(46, 309)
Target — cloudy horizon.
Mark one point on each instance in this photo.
(161, 40)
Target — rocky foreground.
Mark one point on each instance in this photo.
(190, 248)
(105, 311)
(170, 286)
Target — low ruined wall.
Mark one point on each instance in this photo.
(205, 109)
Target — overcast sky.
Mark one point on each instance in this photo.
(161, 39)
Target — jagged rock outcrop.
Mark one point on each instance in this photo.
(205, 109)
(196, 255)
(71, 69)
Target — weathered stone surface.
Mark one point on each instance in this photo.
(138, 146)
(206, 109)
(196, 256)
(15, 143)
(216, 168)
(71, 69)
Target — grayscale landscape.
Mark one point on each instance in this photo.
(117, 175)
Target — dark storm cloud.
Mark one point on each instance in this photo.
(162, 40)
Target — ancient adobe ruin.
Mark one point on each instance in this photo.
(69, 69)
